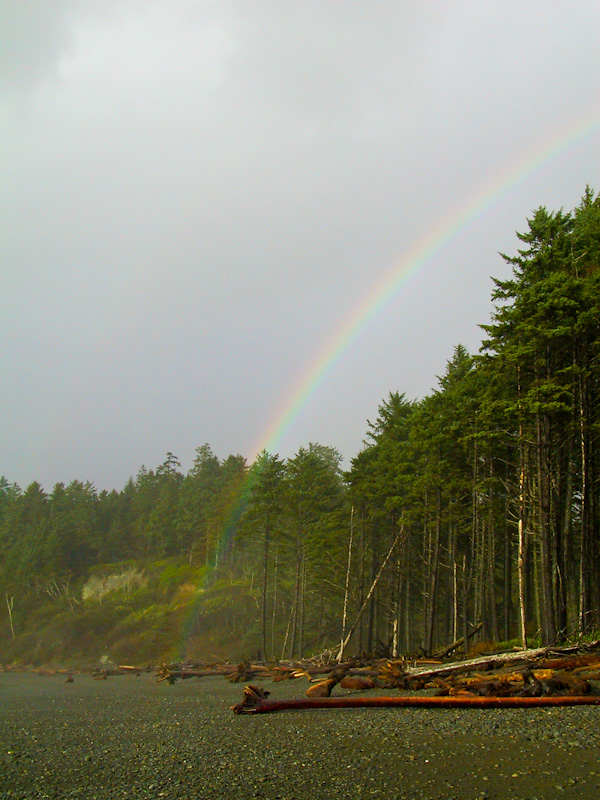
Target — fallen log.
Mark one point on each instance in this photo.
(445, 651)
(323, 688)
(170, 675)
(133, 670)
(357, 683)
(245, 671)
(256, 702)
(326, 669)
(574, 663)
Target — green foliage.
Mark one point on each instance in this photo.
(175, 573)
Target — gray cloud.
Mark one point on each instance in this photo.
(200, 194)
(34, 34)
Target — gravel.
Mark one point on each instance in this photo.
(130, 737)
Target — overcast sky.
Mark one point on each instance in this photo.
(197, 195)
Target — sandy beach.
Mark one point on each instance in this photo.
(129, 737)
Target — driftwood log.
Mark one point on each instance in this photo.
(445, 651)
(256, 701)
(235, 673)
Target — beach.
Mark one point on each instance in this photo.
(130, 737)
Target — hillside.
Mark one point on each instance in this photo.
(133, 613)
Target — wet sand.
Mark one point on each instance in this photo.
(130, 737)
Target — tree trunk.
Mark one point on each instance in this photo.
(362, 576)
(320, 620)
(433, 573)
(347, 584)
(263, 610)
(507, 583)
(302, 604)
(522, 543)
(548, 611)
(9, 604)
(273, 618)
(586, 563)
(465, 602)
(294, 633)
(371, 622)
(491, 562)
(407, 643)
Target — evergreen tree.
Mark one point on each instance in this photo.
(263, 519)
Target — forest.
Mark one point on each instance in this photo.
(472, 513)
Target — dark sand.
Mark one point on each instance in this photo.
(130, 737)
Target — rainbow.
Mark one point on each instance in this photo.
(382, 293)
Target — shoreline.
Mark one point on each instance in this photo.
(134, 738)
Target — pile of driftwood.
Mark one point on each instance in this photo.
(245, 671)
(559, 676)
(545, 676)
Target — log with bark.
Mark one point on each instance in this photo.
(446, 651)
(129, 668)
(246, 671)
(256, 701)
(323, 688)
(172, 672)
(357, 682)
